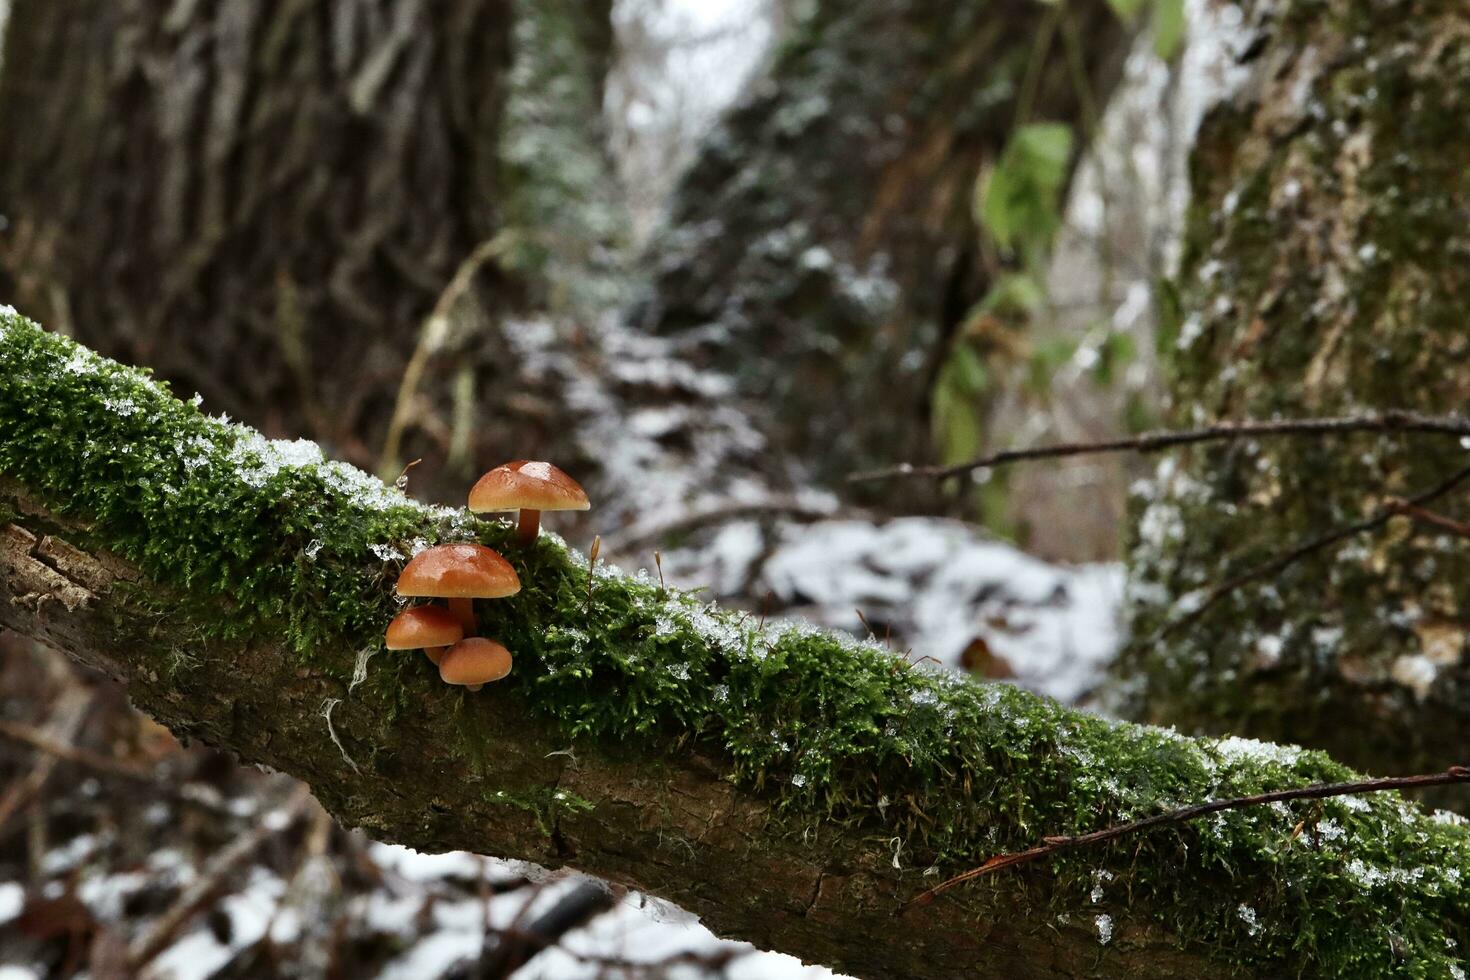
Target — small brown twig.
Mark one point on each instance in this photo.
(1424, 516)
(1300, 551)
(723, 512)
(433, 336)
(67, 714)
(1150, 442)
(592, 570)
(43, 742)
(1318, 791)
(211, 881)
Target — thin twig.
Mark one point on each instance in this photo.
(518, 944)
(654, 532)
(1429, 517)
(1291, 557)
(211, 881)
(66, 717)
(433, 334)
(1150, 442)
(43, 742)
(1318, 791)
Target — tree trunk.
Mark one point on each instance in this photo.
(263, 201)
(823, 249)
(1324, 273)
(791, 787)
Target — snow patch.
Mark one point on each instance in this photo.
(12, 900)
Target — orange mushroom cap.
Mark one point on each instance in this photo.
(458, 571)
(529, 485)
(473, 661)
(422, 627)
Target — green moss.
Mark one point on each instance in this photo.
(939, 771)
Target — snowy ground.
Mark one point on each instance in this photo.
(933, 588)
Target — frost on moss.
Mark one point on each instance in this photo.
(846, 740)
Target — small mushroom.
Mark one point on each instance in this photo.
(460, 573)
(529, 486)
(474, 662)
(432, 629)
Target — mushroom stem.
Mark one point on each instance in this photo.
(473, 687)
(464, 609)
(529, 526)
(435, 654)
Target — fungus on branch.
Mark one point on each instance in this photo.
(474, 662)
(460, 573)
(528, 486)
(432, 629)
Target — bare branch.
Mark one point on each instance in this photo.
(1429, 517)
(1296, 554)
(1151, 442)
(51, 746)
(1321, 791)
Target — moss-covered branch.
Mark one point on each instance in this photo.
(791, 787)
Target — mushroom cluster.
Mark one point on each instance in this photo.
(461, 573)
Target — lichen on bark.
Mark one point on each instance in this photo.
(791, 786)
(1324, 274)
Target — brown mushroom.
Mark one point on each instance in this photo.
(529, 486)
(432, 629)
(474, 662)
(460, 573)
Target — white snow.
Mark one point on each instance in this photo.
(639, 929)
(1415, 671)
(1249, 917)
(12, 900)
(200, 953)
(1235, 748)
(941, 585)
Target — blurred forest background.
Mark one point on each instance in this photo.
(713, 257)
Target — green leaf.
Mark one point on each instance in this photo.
(1016, 294)
(1126, 10)
(1169, 313)
(969, 374)
(957, 429)
(1168, 24)
(1020, 205)
(1045, 360)
(1116, 350)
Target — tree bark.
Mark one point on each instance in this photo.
(1324, 274)
(264, 201)
(790, 787)
(823, 246)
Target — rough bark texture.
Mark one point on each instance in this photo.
(1325, 273)
(265, 200)
(822, 249)
(789, 786)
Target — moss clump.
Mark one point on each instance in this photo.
(936, 770)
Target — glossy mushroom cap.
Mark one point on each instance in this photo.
(422, 627)
(474, 661)
(459, 571)
(529, 485)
